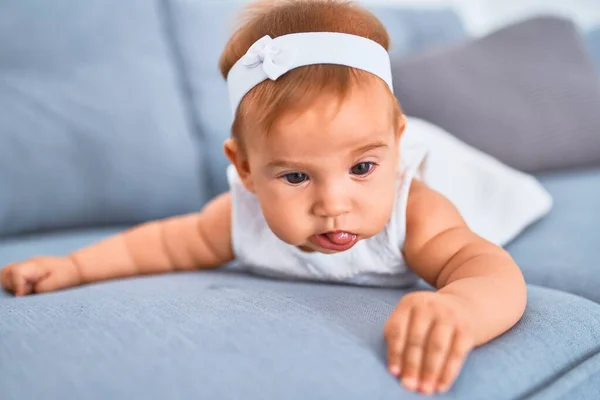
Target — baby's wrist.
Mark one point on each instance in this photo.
(464, 307)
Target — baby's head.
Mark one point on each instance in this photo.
(317, 145)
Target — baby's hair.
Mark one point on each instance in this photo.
(299, 88)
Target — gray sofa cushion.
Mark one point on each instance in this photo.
(527, 94)
(561, 250)
(200, 29)
(223, 335)
(593, 43)
(92, 126)
(219, 335)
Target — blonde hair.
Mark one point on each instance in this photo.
(299, 88)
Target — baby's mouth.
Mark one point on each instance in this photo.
(336, 241)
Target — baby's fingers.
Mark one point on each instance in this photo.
(7, 278)
(461, 346)
(395, 335)
(418, 331)
(437, 348)
(21, 277)
(16, 281)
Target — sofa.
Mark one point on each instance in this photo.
(113, 113)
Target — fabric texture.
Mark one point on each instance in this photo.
(375, 261)
(92, 126)
(217, 335)
(199, 30)
(527, 94)
(561, 250)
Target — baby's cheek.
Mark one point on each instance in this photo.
(377, 206)
(286, 210)
(286, 226)
(286, 220)
(380, 217)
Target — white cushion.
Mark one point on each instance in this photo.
(496, 201)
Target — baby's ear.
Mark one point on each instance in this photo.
(401, 126)
(238, 158)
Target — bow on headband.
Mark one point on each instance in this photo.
(275, 60)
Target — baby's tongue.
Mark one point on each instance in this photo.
(340, 237)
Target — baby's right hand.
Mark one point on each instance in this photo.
(39, 274)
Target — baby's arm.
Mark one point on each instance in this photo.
(481, 294)
(187, 242)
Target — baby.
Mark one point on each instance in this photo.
(320, 190)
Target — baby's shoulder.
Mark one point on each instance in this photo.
(428, 213)
(422, 199)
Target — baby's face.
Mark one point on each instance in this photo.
(325, 178)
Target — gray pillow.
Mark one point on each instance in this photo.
(527, 94)
(93, 129)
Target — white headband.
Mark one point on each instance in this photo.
(270, 58)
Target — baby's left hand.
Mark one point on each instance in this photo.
(428, 336)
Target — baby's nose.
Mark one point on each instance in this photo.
(332, 203)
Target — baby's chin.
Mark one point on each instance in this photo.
(310, 248)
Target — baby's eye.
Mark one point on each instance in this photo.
(362, 168)
(295, 178)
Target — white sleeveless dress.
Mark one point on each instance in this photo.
(376, 261)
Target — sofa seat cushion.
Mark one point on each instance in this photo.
(225, 335)
(561, 250)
